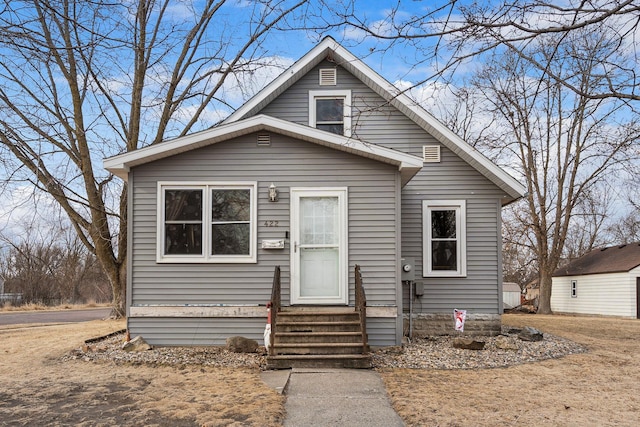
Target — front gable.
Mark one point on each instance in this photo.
(380, 113)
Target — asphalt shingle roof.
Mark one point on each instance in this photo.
(612, 259)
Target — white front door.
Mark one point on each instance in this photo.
(319, 246)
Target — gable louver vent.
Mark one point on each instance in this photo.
(328, 77)
(264, 139)
(431, 153)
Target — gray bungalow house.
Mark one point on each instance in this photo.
(326, 168)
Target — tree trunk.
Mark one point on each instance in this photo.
(544, 302)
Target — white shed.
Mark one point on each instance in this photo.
(603, 282)
(510, 295)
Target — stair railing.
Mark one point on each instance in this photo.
(275, 304)
(361, 308)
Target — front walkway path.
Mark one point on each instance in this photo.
(337, 397)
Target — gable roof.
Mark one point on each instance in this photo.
(612, 259)
(329, 48)
(407, 164)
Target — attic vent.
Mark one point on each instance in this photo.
(328, 77)
(264, 140)
(431, 153)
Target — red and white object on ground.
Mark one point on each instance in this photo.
(460, 316)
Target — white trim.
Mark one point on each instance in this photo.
(331, 94)
(343, 272)
(197, 311)
(407, 164)
(237, 311)
(460, 206)
(206, 187)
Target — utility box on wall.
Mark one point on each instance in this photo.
(407, 269)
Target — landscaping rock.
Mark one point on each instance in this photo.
(241, 345)
(530, 334)
(468, 344)
(505, 343)
(136, 344)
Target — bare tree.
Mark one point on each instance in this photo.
(83, 80)
(566, 144)
(446, 35)
(626, 229)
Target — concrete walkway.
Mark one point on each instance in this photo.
(333, 397)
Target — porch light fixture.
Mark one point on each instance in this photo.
(273, 193)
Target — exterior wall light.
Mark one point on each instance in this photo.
(273, 193)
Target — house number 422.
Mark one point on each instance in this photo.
(270, 223)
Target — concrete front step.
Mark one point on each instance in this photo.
(353, 361)
(316, 337)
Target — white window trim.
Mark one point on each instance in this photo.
(574, 289)
(331, 94)
(206, 224)
(460, 206)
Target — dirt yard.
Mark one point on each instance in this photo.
(37, 388)
(599, 388)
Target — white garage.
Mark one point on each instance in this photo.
(603, 282)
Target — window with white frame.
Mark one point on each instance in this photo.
(444, 238)
(208, 222)
(574, 289)
(330, 110)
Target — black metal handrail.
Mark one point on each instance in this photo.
(361, 307)
(275, 304)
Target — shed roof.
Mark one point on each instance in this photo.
(328, 48)
(612, 259)
(510, 287)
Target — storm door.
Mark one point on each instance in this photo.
(319, 246)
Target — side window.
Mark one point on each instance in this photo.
(207, 222)
(574, 289)
(444, 238)
(330, 110)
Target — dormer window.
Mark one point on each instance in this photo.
(330, 110)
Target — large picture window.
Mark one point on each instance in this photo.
(330, 110)
(444, 238)
(206, 222)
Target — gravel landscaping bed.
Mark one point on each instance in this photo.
(428, 353)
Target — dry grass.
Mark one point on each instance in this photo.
(599, 388)
(8, 306)
(39, 389)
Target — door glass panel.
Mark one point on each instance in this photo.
(319, 221)
(319, 247)
(319, 276)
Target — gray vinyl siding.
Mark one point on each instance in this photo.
(454, 179)
(201, 331)
(381, 331)
(372, 220)
(377, 122)
(374, 120)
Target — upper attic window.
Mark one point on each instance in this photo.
(328, 77)
(330, 110)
